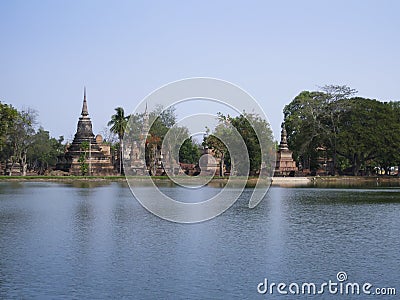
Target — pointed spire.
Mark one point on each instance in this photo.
(283, 144)
(145, 127)
(84, 107)
(146, 115)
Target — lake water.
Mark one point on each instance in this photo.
(95, 241)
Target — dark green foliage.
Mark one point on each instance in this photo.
(353, 133)
(83, 158)
(21, 143)
(8, 115)
(118, 125)
(118, 122)
(369, 134)
(189, 152)
(17, 136)
(304, 125)
(245, 125)
(43, 151)
(249, 136)
(161, 121)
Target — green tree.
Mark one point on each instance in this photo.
(166, 116)
(219, 148)
(368, 134)
(395, 108)
(20, 138)
(161, 120)
(8, 116)
(246, 125)
(21, 143)
(43, 151)
(334, 105)
(304, 126)
(312, 120)
(83, 158)
(118, 125)
(189, 152)
(134, 127)
(175, 136)
(354, 132)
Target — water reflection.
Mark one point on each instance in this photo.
(63, 241)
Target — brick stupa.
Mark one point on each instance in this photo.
(285, 165)
(98, 157)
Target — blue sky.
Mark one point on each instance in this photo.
(123, 50)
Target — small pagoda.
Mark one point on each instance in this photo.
(285, 165)
(96, 157)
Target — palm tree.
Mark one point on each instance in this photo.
(118, 125)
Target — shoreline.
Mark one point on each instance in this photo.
(276, 181)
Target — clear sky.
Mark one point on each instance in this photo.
(123, 50)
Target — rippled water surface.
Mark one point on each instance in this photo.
(87, 241)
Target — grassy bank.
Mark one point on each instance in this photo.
(221, 179)
(217, 182)
(320, 181)
(61, 178)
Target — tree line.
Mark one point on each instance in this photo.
(25, 148)
(164, 120)
(243, 127)
(341, 133)
(22, 146)
(330, 130)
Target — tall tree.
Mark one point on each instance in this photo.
(305, 127)
(358, 132)
(21, 143)
(218, 147)
(312, 120)
(177, 136)
(189, 152)
(161, 120)
(167, 116)
(369, 134)
(118, 125)
(334, 107)
(245, 125)
(8, 116)
(43, 151)
(21, 138)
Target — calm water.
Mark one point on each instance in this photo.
(96, 242)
